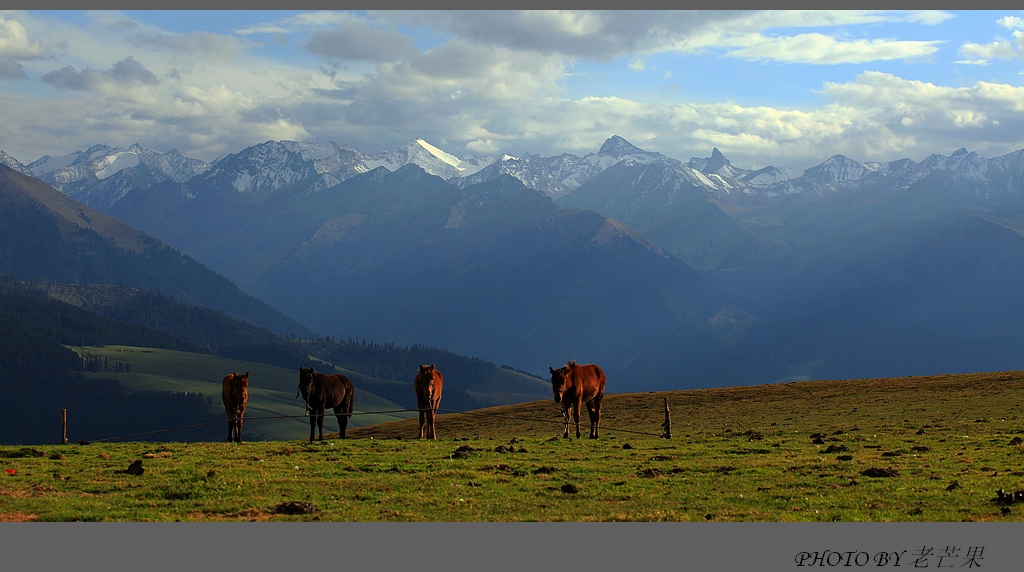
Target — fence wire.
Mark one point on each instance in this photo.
(561, 421)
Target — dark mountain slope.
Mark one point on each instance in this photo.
(47, 236)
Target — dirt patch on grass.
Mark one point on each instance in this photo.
(18, 517)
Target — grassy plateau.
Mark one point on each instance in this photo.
(936, 448)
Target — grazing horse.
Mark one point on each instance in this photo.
(577, 384)
(428, 397)
(321, 391)
(235, 394)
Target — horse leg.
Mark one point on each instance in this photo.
(430, 425)
(230, 421)
(238, 425)
(339, 413)
(565, 415)
(576, 415)
(320, 424)
(423, 421)
(594, 409)
(312, 426)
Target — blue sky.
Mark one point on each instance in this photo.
(787, 88)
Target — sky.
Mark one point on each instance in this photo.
(785, 88)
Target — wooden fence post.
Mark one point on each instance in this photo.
(667, 425)
(64, 427)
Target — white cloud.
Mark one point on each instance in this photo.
(816, 48)
(1011, 22)
(14, 42)
(16, 45)
(498, 81)
(1000, 49)
(596, 35)
(604, 35)
(987, 114)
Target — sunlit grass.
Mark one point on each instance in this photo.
(942, 446)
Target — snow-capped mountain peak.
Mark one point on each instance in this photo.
(428, 157)
(13, 163)
(107, 165)
(616, 146)
(442, 155)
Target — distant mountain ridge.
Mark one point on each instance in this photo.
(101, 175)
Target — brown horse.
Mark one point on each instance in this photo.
(577, 384)
(321, 391)
(235, 394)
(428, 397)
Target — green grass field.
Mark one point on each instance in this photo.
(272, 389)
(273, 412)
(905, 449)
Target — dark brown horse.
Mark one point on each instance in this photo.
(428, 397)
(235, 394)
(575, 385)
(322, 391)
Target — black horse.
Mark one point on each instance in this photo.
(322, 391)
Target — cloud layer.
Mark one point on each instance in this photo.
(851, 82)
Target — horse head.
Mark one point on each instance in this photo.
(305, 381)
(426, 376)
(558, 381)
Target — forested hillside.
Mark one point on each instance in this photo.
(39, 376)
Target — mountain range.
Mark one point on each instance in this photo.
(671, 273)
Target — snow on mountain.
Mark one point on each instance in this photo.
(561, 174)
(717, 164)
(110, 164)
(429, 158)
(102, 174)
(274, 165)
(47, 164)
(71, 167)
(103, 161)
(841, 169)
(341, 161)
(267, 167)
(13, 163)
(773, 180)
(172, 164)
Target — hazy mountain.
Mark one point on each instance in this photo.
(101, 175)
(556, 176)
(671, 205)
(813, 272)
(47, 236)
(495, 269)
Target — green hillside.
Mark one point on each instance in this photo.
(273, 412)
